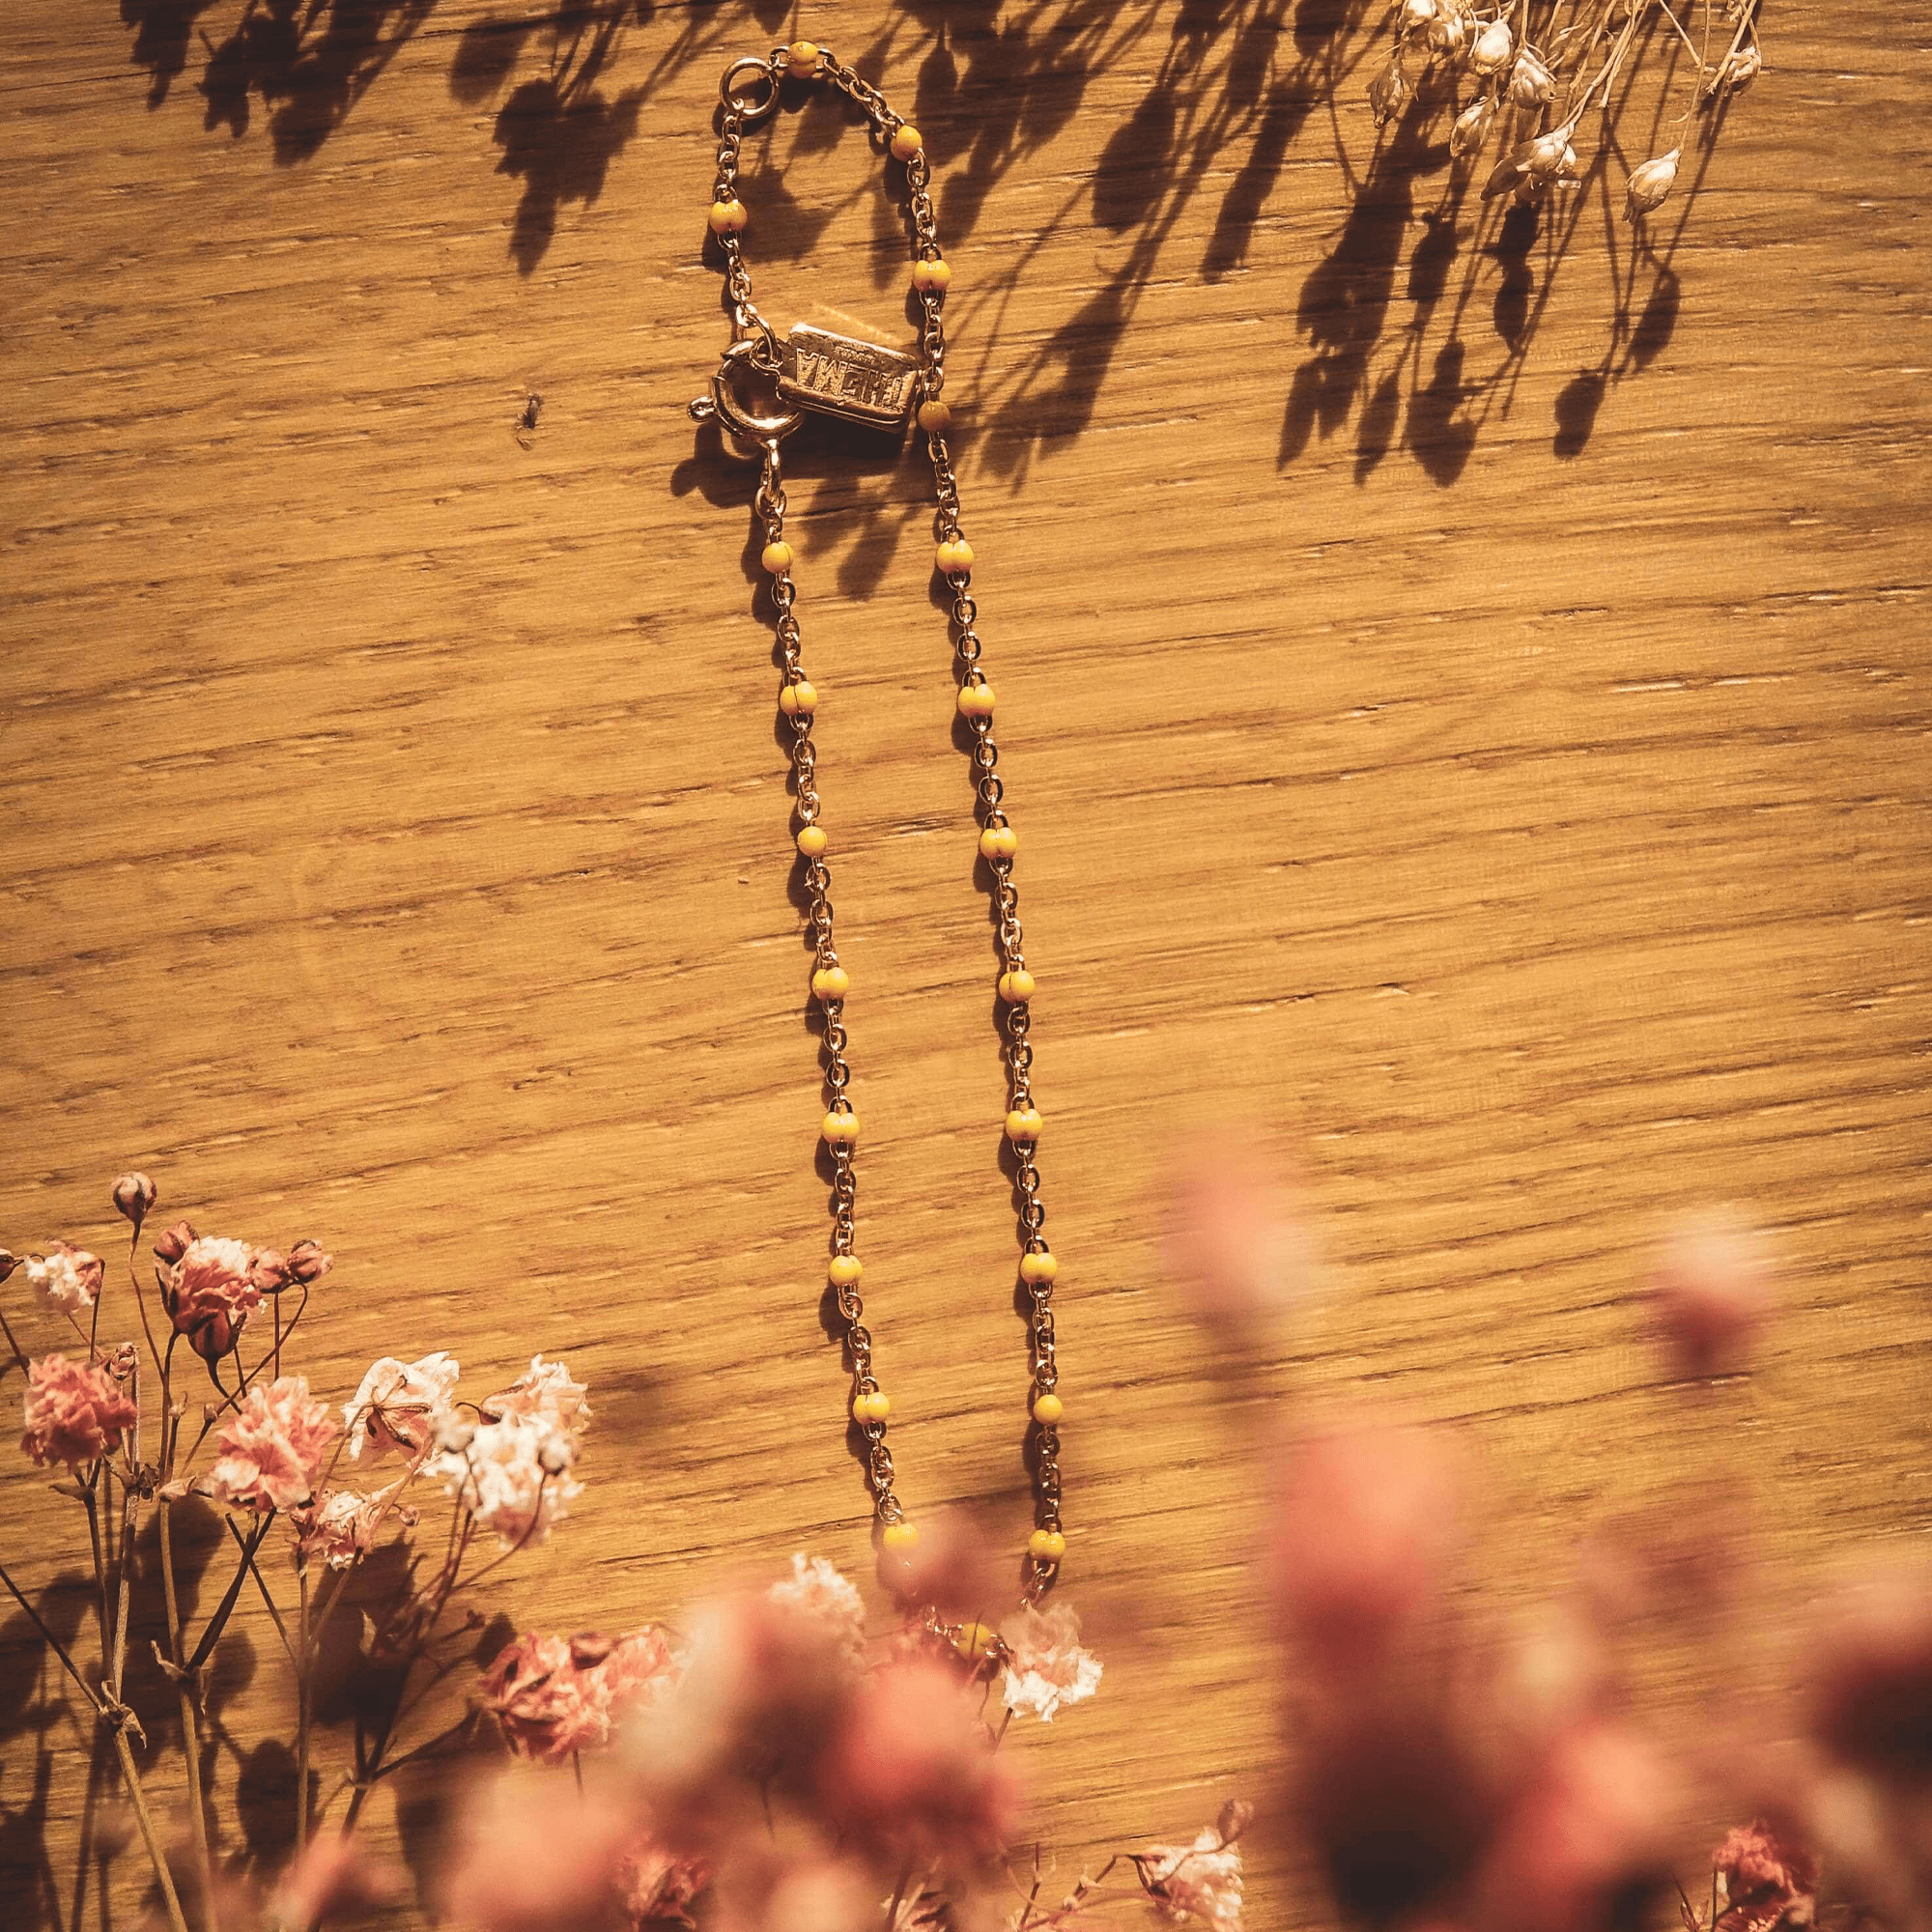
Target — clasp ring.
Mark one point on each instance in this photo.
(747, 425)
(748, 108)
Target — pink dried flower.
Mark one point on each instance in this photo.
(911, 1768)
(1045, 1665)
(340, 1528)
(1713, 1292)
(401, 1405)
(210, 1293)
(307, 1264)
(545, 1392)
(534, 1856)
(1199, 1880)
(175, 1243)
(817, 1589)
(952, 1569)
(135, 1198)
(334, 1875)
(1767, 1880)
(512, 1477)
(554, 1695)
(1238, 1242)
(272, 1447)
(76, 1413)
(1872, 1704)
(656, 1886)
(1363, 1536)
(65, 1277)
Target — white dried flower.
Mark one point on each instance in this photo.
(1650, 184)
(1472, 125)
(1046, 1665)
(401, 1405)
(1492, 47)
(513, 1477)
(1531, 84)
(1389, 93)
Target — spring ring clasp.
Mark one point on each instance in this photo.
(745, 424)
(749, 107)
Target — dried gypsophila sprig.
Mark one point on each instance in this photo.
(1521, 61)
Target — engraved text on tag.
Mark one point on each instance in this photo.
(841, 377)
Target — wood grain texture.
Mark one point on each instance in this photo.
(1464, 698)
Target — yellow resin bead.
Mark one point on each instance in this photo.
(798, 701)
(1047, 1545)
(935, 416)
(999, 841)
(802, 58)
(901, 1536)
(812, 840)
(954, 554)
(976, 701)
(776, 557)
(906, 142)
(1048, 1410)
(933, 277)
(974, 1642)
(1017, 986)
(871, 1406)
(1024, 1124)
(728, 217)
(831, 983)
(840, 1125)
(1039, 1266)
(845, 1270)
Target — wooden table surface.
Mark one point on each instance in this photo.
(1463, 696)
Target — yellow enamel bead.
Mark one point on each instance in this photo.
(728, 217)
(831, 983)
(811, 839)
(999, 841)
(975, 1640)
(871, 1406)
(901, 1536)
(933, 277)
(935, 416)
(956, 554)
(802, 58)
(906, 142)
(976, 701)
(1017, 986)
(776, 557)
(799, 700)
(845, 1270)
(1047, 1410)
(841, 1125)
(1024, 1124)
(1039, 1266)
(1048, 1546)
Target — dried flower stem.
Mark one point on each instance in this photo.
(302, 1662)
(190, 1724)
(268, 1600)
(117, 1721)
(224, 1610)
(19, 1355)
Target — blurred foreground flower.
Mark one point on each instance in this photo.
(1713, 1291)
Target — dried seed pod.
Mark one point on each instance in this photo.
(1650, 184)
(1531, 84)
(1472, 125)
(1491, 51)
(1733, 73)
(1390, 91)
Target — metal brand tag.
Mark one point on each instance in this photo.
(841, 377)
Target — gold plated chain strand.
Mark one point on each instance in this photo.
(815, 371)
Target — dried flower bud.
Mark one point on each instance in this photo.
(123, 1362)
(307, 1264)
(1734, 73)
(1472, 125)
(1448, 33)
(8, 1263)
(1236, 1815)
(135, 1195)
(269, 1270)
(1531, 84)
(1492, 47)
(1389, 93)
(1650, 184)
(1416, 15)
(174, 1245)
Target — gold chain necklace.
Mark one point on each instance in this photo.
(815, 370)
